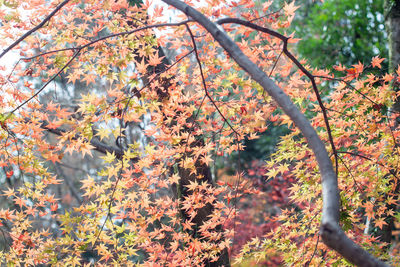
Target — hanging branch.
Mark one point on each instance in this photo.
(330, 231)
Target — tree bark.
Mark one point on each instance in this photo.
(392, 24)
(186, 177)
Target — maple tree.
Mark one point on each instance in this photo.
(155, 111)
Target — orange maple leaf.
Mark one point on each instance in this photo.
(154, 60)
(9, 192)
(380, 222)
(141, 67)
(19, 201)
(339, 67)
(369, 209)
(376, 62)
(86, 148)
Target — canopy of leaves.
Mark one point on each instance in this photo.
(336, 31)
(120, 174)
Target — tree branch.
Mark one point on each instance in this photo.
(47, 83)
(99, 146)
(78, 50)
(331, 233)
(40, 25)
(298, 64)
(107, 37)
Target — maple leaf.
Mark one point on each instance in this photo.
(30, 210)
(174, 179)
(54, 207)
(187, 225)
(89, 78)
(380, 222)
(19, 201)
(206, 159)
(54, 124)
(104, 252)
(359, 67)
(9, 192)
(266, 6)
(376, 62)
(7, 215)
(63, 113)
(142, 66)
(339, 67)
(75, 75)
(192, 185)
(113, 171)
(103, 133)
(53, 157)
(391, 200)
(51, 106)
(109, 157)
(86, 148)
(369, 209)
(290, 8)
(154, 60)
(88, 183)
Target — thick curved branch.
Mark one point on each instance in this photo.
(331, 233)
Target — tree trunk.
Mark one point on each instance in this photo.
(392, 23)
(185, 176)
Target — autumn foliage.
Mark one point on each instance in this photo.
(108, 144)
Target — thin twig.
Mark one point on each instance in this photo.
(204, 81)
(40, 25)
(80, 48)
(298, 64)
(47, 83)
(111, 36)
